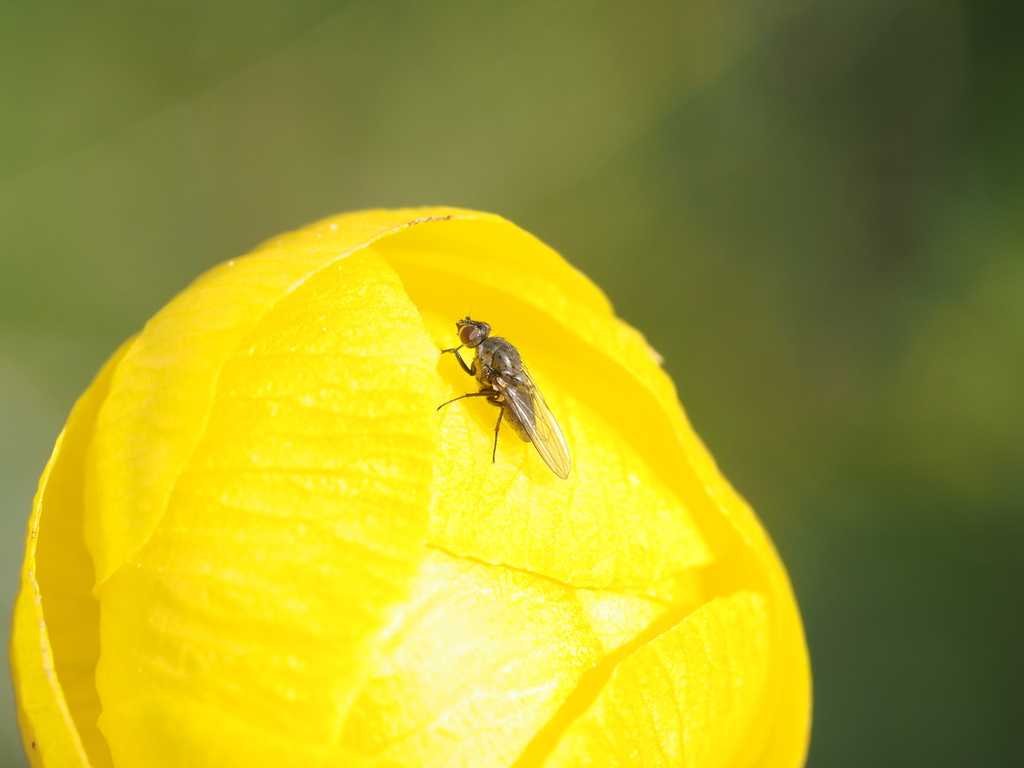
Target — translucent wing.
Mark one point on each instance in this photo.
(533, 421)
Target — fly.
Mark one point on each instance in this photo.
(504, 381)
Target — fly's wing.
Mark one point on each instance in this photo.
(532, 414)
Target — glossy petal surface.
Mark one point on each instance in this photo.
(687, 698)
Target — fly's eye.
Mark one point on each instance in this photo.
(469, 335)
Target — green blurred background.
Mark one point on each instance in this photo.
(813, 208)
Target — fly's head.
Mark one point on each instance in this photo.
(472, 332)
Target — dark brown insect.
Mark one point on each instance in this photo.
(505, 382)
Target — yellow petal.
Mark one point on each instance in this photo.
(161, 393)
(688, 698)
(479, 660)
(292, 532)
(55, 635)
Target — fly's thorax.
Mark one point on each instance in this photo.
(500, 358)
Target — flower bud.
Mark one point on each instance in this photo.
(259, 542)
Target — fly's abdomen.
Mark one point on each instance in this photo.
(517, 426)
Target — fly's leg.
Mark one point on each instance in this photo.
(493, 397)
(455, 351)
(501, 412)
(481, 393)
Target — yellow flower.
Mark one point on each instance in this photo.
(258, 543)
